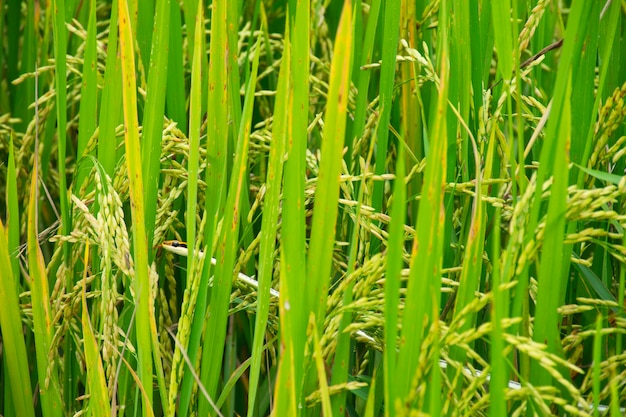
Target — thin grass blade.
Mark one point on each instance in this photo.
(271, 209)
(153, 114)
(327, 192)
(13, 214)
(98, 391)
(424, 286)
(293, 308)
(141, 280)
(552, 271)
(391, 31)
(14, 347)
(320, 366)
(392, 282)
(88, 115)
(226, 249)
(189, 332)
(111, 103)
(51, 403)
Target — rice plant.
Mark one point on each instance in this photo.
(295, 208)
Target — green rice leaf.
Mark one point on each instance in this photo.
(51, 403)
(141, 281)
(14, 347)
(99, 393)
(327, 192)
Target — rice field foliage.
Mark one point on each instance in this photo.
(389, 207)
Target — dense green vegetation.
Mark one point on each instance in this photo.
(435, 188)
